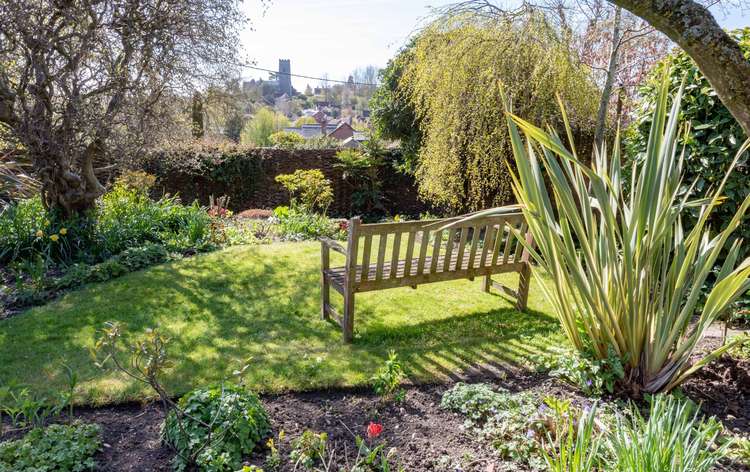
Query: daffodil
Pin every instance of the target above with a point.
(39, 233)
(46, 222)
(63, 231)
(54, 238)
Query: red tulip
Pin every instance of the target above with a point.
(374, 430)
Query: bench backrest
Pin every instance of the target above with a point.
(419, 249)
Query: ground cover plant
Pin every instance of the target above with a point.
(262, 302)
(53, 448)
(626, 277)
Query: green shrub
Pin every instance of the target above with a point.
(54, 448)
(309, 190)
(239, 422)
(713, 139)
(286, 139)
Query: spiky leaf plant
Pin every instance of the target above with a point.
(624, 273)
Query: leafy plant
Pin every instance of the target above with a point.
(387, 380)
(624, 273)
(215, 427)
(308, 189)
(286, 139)
(54, 448)
(308, 449)
(511, 423)
(673, 439)
(592, 376)
(361, 169)
(295, 225)
(137, 180)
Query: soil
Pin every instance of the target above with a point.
(425, 437)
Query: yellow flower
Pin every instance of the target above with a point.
(54, 237)
(39, 233)
(63, 231)
(46, 222)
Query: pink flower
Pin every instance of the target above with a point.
(374, 430)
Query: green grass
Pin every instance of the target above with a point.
(262, 302)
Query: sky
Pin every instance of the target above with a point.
(336, 36)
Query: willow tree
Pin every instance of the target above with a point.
(451, 81)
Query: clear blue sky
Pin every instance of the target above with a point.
(337, 36)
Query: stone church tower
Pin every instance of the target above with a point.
(285, 80)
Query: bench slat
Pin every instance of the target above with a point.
(409, 252)
(461, 249)
(395, 254)
(438, 236)
(366, 253)
(474, 245)
(425, 241)
(449, 250)
(498, 241)
(508, 243)
(381, 256)
(489, 241)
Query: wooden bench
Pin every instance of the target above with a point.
(434, 252)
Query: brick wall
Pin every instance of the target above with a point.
(247, 177)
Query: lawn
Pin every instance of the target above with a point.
(262, 303)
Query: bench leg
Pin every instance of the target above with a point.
(325, 297)
(524, 280)
(487, 283)
(348, 326)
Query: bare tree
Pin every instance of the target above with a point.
(693, 27)
(83, 80)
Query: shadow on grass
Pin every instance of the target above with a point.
(260, 305)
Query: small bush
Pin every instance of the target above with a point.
(239, 423)
(286, 139)
(309, 190)
(54, 448)
(137, 180)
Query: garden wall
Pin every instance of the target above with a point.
(247, 175)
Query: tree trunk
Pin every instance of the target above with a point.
(717, 55)
(601, 117)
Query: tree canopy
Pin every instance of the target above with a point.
(451, 78)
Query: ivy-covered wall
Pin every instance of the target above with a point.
(246, 175)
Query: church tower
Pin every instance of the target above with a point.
(285, 80)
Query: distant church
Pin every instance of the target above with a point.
(280, 85)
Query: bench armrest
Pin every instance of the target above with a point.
(331, 244)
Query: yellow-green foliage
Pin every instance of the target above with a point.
(452, 82)
(308, 189)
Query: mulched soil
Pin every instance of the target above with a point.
(425, 436)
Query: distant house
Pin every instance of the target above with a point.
(333, 129)
(343, 131)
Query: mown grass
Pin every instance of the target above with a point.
(262, 303)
